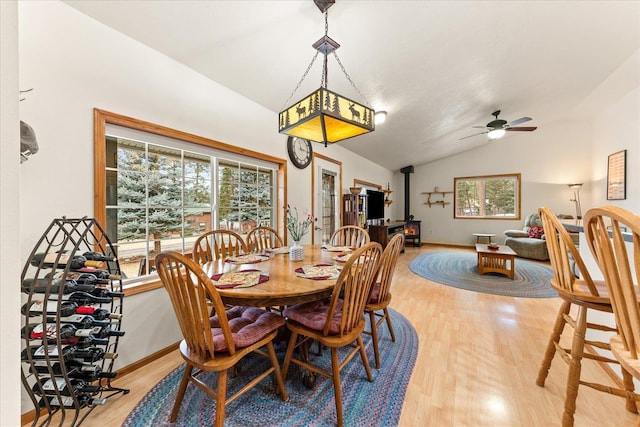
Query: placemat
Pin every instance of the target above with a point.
(319, 271)
(280, 250)
(330, 248)
(239, 279)
(342, 258)
(247, 259)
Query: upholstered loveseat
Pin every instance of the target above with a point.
(529, 241)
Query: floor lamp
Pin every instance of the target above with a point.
(576, 199)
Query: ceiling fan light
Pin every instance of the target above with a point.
(380, 117)
(496, 133)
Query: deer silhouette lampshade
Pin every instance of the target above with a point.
(325, 116)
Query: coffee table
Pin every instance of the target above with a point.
(501, 260)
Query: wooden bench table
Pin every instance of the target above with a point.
(501, 260)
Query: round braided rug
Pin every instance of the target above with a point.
(460, 270)
(376, 403)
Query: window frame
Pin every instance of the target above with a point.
(102, 118)
(516, 203)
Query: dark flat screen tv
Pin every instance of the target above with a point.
(375, 204)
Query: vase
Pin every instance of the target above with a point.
(296, 252)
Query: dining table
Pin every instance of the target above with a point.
(282, 282)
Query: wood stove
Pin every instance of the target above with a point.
(412, 232)
(411, 227)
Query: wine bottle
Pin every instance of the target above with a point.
(100, 273)
(52, 259)
(53, 286)
(74, 369)
(104, 292)
(105, 332)
(98, 313)
(80, 277)
(97, 256)
(37, 308)
(58, 385)
(68, 402)
(82, 321)
(52, 331)
(65, 353)
(84, 298)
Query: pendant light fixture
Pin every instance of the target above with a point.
(325, 116)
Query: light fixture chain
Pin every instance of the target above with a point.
(349, 78)
(301, 80)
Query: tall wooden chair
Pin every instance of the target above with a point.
(380, 293)
(350, 235)
(218, 341)
(585, 294)
(217, 244)
(262, 238)
(619, 262)
(337, 322)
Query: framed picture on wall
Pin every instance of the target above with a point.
(617, 176)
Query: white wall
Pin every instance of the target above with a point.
(76, 64)
(547, 160)
(10, 261)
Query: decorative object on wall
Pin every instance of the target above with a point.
(617, 176)
(436, 191)
(576, 199)
(28, 142)
(497, 128)
(323, 115)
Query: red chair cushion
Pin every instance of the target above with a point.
(313, 315)
(248, 325)
(375, 293)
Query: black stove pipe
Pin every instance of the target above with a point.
(406, 171)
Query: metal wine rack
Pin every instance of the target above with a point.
(58, 400)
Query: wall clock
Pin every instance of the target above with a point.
(300, 151)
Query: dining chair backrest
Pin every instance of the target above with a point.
(262, 238)
(194, 299)
(388, 263)
(619, 261)
(216, 244)
(562, 250)
(353, 286)
(350, 235)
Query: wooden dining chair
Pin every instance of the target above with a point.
(215, 342)
(619, 262)
(216, 244)
(380, 297)
(338, 321)
(262, 238)
(585, 294)
(350, 235)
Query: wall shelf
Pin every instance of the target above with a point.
(387, 193)
(442, 194)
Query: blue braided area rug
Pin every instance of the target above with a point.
(376, 403)
(460, 270)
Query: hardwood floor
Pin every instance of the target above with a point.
(477, 362)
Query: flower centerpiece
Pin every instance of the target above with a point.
(297, 229)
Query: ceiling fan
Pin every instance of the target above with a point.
(498, 127)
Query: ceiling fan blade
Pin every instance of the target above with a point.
(480, 127)
(522, 129)
(475, 134)
(520, 120)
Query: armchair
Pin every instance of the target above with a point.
(528, 242)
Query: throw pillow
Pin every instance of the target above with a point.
(536, 232)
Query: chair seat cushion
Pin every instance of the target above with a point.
(248, 325)
(375, 293)
(313, 315)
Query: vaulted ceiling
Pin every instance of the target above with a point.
(437, 67)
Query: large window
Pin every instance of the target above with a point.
(159, 191)
(487, 197)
